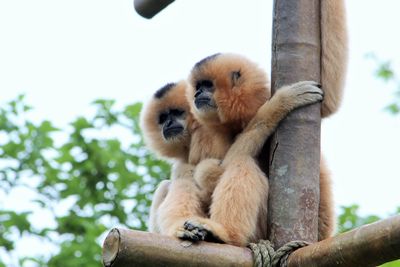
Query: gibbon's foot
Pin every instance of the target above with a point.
(194, 234)
(196, 231)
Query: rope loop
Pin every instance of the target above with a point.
(265, 256)
(263, 253)
(282, 254)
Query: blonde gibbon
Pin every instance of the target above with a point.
(229, 222)
(216, 98)
(229, 93)
(169, 128)
(166, 123)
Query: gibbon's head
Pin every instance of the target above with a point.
(226, 89)
(166, 122)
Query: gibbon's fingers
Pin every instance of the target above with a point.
(301, 94)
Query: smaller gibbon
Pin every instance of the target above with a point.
(168, 127)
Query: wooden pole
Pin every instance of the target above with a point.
(150, 8)
(369, 245)
(135, 248)
(366, 246)
(295, 147)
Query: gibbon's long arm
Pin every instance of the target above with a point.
(286, 99)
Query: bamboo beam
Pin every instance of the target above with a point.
(150, 8)
(369, 245)
(295, 147)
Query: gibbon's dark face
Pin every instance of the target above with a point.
(203, 97)
(172, 123)
(166, 121)
(226, 89)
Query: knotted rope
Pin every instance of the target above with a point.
(265, 255)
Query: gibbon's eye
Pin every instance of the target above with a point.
(204, 83)
(176, 112)
(235, 76)
(162, 118)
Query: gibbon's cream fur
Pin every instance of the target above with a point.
(231, 223)
(229, 92)
(168, 128)
(176, 201)
(334, 53)
(333, 61)
(167, 123)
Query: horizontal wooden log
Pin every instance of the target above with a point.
(135, 248)
(369, 245)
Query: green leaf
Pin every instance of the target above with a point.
(47, 127)
(104, 103)
(385, 71)
(81, 123)
(393, 108)
(133, 111)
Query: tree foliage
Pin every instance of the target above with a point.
(384, 71)
(89, 177)
(349, 218)
(99, 181)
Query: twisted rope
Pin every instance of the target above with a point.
(263, 253)
(265, 256)
(282, 254)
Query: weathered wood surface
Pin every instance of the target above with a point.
(369, 245)
(295, 147)
(124, 248)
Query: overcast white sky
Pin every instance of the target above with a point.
(64, 54)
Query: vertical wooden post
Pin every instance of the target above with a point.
(295, 148)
